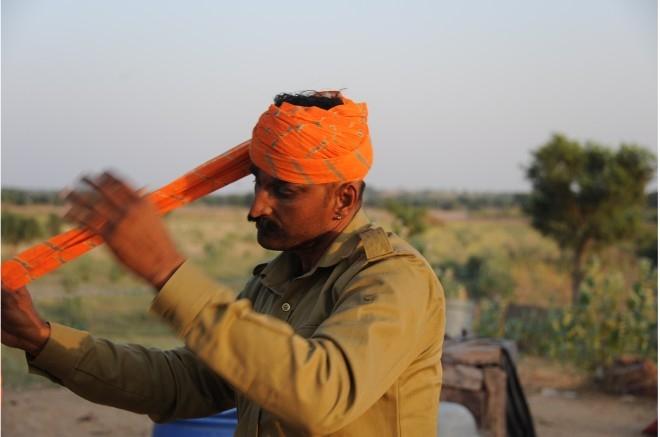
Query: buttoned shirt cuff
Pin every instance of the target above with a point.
(185, 294)
(62, 352)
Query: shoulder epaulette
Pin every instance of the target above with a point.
(376, 243)
(258, 269)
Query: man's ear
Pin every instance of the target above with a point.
(348, 196)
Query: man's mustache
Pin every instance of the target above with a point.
(263, 223)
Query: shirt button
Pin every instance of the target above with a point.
(286, 307)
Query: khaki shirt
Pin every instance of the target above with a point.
(350, 348)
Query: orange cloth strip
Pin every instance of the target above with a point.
(311, 145)
(49, 255)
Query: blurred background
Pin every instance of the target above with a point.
(515, 146)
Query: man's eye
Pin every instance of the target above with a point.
(283, 191)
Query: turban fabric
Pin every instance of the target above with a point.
(311, 145)
(293, 143)
(49, 255)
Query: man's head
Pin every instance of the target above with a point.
(308, 182)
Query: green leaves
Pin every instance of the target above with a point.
(587, 191)
(588, 195)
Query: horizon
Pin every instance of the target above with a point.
(458, 96)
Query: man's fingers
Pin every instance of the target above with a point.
(86, 218)
(105, 207)
(78, 198)
(104, 191)
(110, 191)
(107, 204)
(121, 191)
(99, 215)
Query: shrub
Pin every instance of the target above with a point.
(481, 276)
(610, 319)
(17, 228)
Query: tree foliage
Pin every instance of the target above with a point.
(585, 196)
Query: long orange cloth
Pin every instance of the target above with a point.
(49, 255)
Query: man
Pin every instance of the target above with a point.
(341, 334)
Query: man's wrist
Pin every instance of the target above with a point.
(161, 279)
(40, 342)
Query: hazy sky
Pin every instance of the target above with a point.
(459, 92)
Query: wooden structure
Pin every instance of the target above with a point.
(473, 376)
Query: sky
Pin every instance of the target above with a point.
(459, 93)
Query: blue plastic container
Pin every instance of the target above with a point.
(218, 425)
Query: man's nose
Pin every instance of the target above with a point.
(260, 204)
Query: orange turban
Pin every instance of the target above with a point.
(311, 145)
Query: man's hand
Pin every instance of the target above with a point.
(22, 327)
(130, 226)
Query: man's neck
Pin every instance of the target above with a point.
(311, 252)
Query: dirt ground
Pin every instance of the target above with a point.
(562, 404)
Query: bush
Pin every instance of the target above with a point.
(17, 228)
(410, 220)
(53, 225)
(490, 320)
(610, 319)
(481, 276)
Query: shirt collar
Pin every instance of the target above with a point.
(280, 269)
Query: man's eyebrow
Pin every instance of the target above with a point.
(278, 182)
(289, 185)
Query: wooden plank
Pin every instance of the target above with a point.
(462, 376)
(495, 383)
(472, 355)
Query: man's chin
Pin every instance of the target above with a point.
(270, 242)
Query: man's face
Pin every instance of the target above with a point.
(290, 215)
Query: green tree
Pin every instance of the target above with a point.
(587, 196)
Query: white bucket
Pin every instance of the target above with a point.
(460, 317)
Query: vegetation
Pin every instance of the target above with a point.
(610, 319)
(481, 246)
(587, 196)
(373, 198)
(17, 228)
(481, 276)
(17, 196)
(409, 220)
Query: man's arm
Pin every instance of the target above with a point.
(383, 318)
(165, 385)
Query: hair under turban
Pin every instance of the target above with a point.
(311, 145)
